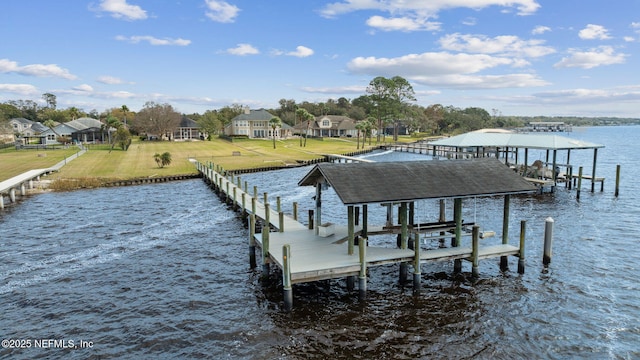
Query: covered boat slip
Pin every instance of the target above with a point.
(309, 255)
(487, 142)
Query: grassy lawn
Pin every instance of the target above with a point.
(138, 161)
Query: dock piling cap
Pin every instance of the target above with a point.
(549, 219)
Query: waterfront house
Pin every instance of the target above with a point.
(254, 124)
(68, 128)
(189, 129)
(328, 126)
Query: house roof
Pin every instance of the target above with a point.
(186, 122)
(83, 123)
(260, 114)
(22, 121)
(531, 141)
(380, 182)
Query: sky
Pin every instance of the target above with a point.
(509, 57)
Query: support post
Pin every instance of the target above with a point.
(579, 183)
(593, 170)
(318, 210)
(362, 279)
(265, 242)
(295, 211)
(286, 277)
(403, 240)
(12, 195)
(457, 214)
(350, 229)
(280, 221)
(252, 241)
(504, 261)
(416, 263)
(311, 219)
(521, 256)
(548, 241)
(475, 246)
(617, 180)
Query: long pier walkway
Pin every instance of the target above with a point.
(21, 182)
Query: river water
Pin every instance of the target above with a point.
(161, 271)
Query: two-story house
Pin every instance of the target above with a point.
(255, 125)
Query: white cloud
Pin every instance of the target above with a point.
(504, 45)
(110, 80)
(83, 88)
(423, 9)
(401, 24)
(38, 70)
(154, 41)
(243, 49)
(221, 11)
(22, 89)
(301, 51)
(119, 9)
(447, 70)
(603, 55)
(538, 30)
(594, 32)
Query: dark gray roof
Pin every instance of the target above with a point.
(186, 122)
(380, 182)
(260, 114)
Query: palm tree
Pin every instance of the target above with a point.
(360, 127)
(308, 117)
(125, 110)
(274, 122)
(163, 159)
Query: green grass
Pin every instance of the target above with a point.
(138, 161)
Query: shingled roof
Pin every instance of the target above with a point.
(380, 182)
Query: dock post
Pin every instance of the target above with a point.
(1, 201)
(278, 204)
(474, 254)
(416, 263)
(265, 197)
(253, 205)
(403, 240)
(362, 279)
(244, 204)
(255, 191)
(23, 190)
(286, 277)
(234, 201)
(310, 219)
(457, 214)
(617, 180)
(265, 242)
(246, 187)
(504, 261)
(579, 183)
(295, 211)
(521, 257)
(280, 221)
(12, 195)
(593, 170)
(350, 229)
(548, 241)
(252, 240)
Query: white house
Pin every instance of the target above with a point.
(255, 125)
(68, 128)
(328, 126)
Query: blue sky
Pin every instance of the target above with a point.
(513, 57)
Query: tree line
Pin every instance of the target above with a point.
(387, 105)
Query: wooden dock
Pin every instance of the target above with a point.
(305, 254)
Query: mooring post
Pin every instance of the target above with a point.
(244, 204)
(362, 279)
(350, 230)
(252, 241)
(475, 246)
(286, 277)
(234, 201)
(265, 242)
(280, 221)
(548, 241)
(521, 257)
(416, 263)
(457, 214)
(255, 191)
(265, 197)
(403, 239)
(504, 261)
(295, 211)
(23, 190)
(246, 187)
(253, 205)
(12, 195)
(278, 204)
(1, 201)
(579, 183)
(617, 180)
(310, 219)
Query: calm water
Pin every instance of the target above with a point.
(161, 271)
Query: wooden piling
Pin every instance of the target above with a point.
(295, 211)
(286, 277)
(265, 242)
(310, 219)
(504, 261)
(579, 183)
(457, 214)
(403, 239)
(475, 246)
(416, 263)
(350, 229)
(521, 256)
(617, 180)
(548, 241)
(362, 278)
(252, 240)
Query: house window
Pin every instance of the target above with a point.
(326, 123)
